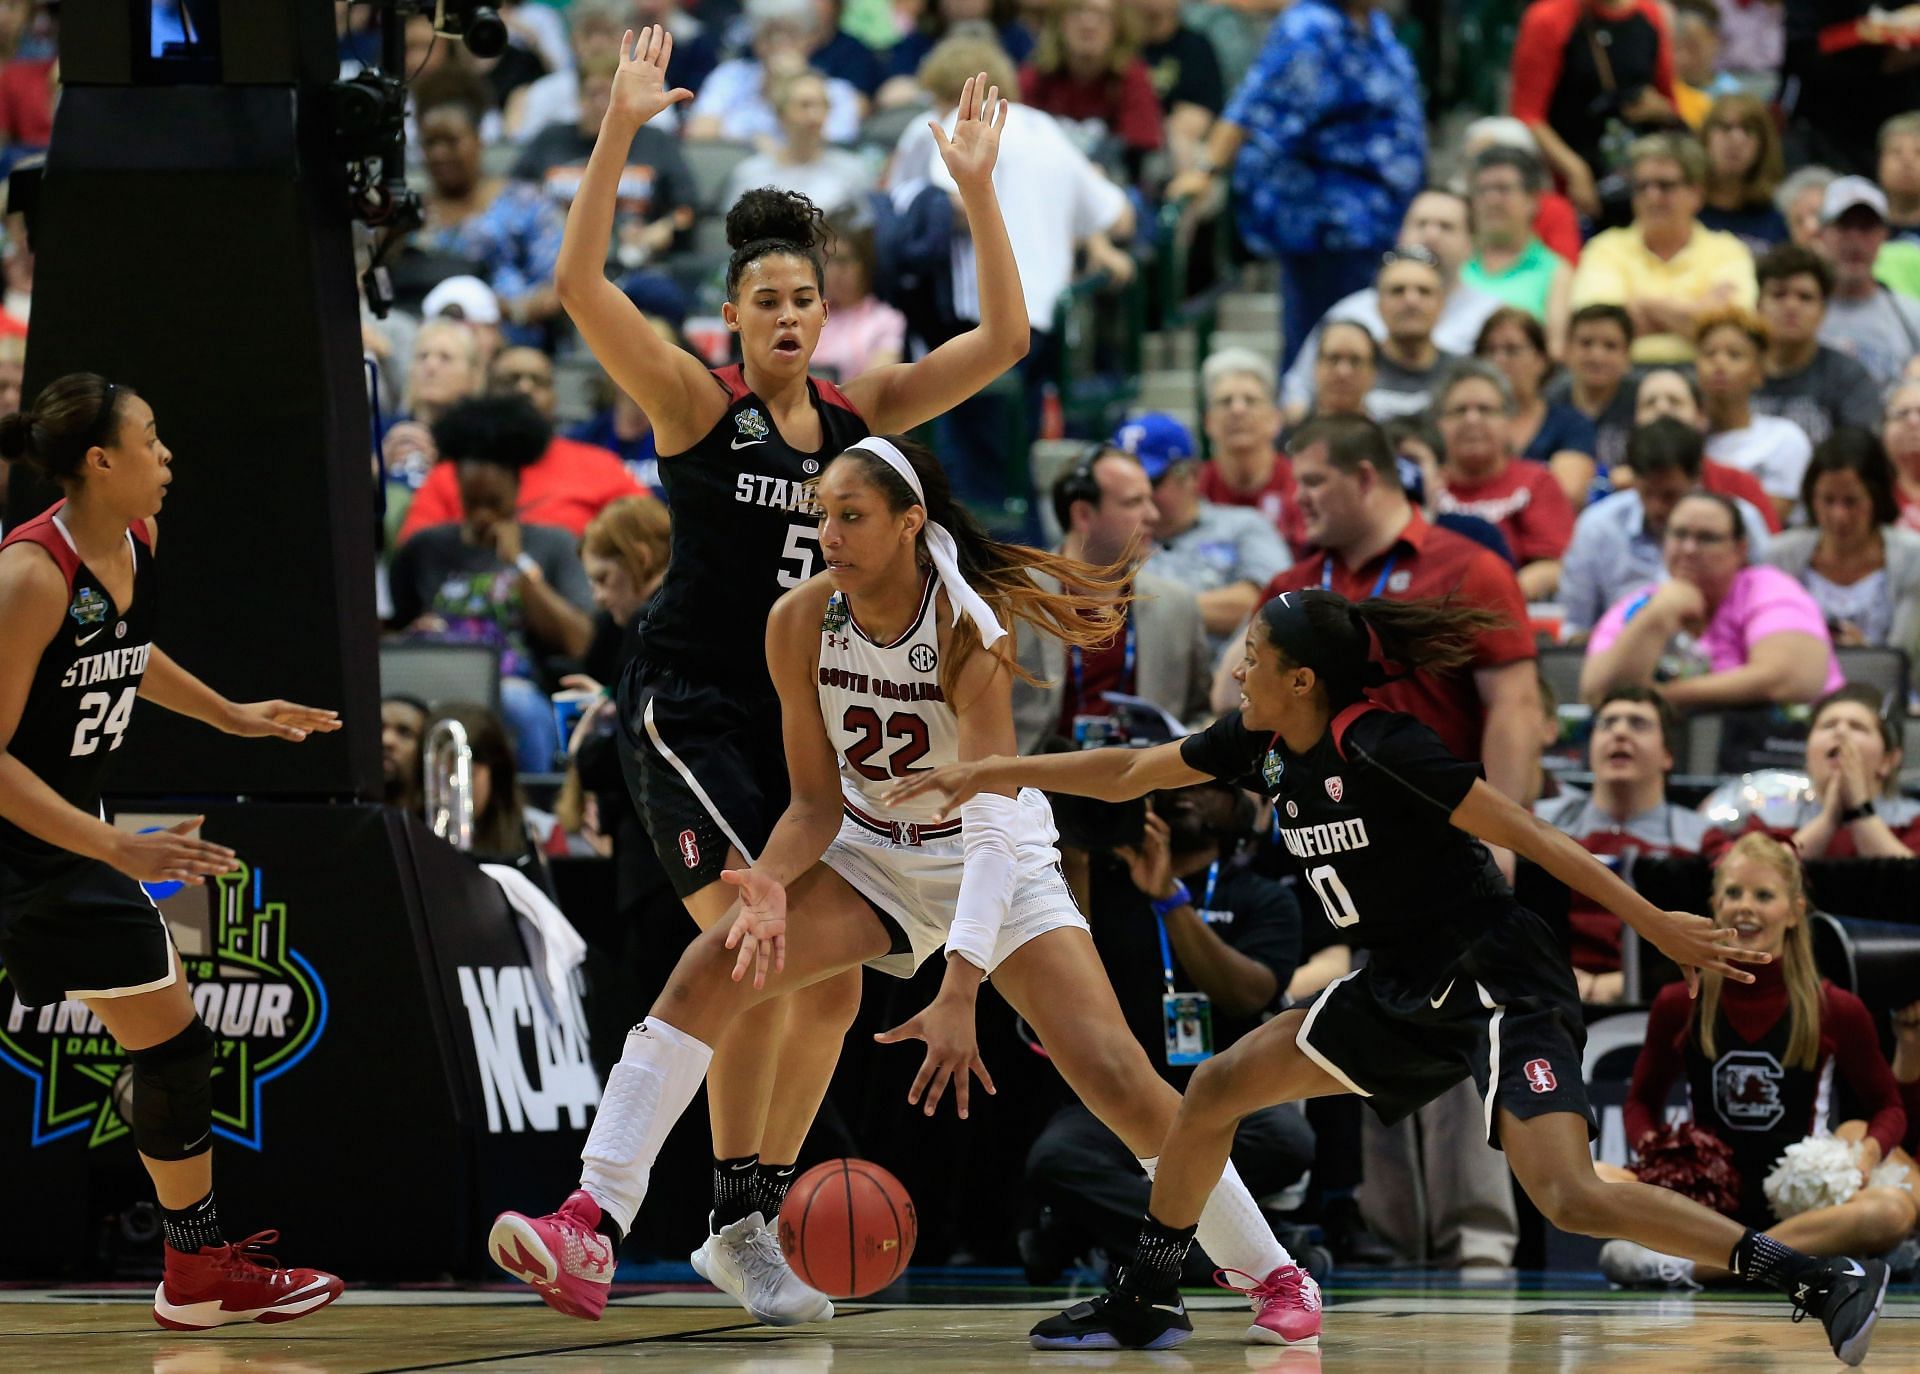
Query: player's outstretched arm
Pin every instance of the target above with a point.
(168, 684)
(1692, 942)
(812, 817)
(1106, 774)
(667, 382)
(897, 398)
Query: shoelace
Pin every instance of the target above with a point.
(1286, 1284)
(771, 1259)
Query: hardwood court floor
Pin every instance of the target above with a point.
(1411, 1332)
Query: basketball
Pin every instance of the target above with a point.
(848, 1228)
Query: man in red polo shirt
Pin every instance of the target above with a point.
(1374, 543)
(570, 484)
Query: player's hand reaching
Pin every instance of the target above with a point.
(279, 720)
(1697, 945)
(640, 85)
(955, 783)
(760, 930)
(974, 145)
(172, 855)
(953, 1054)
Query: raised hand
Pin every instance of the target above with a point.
(280, 720)
(760, 930)
(955, 783)
(1697, 945)
(953, 1054)
(171, 856)
(640, 85)
(975, 145)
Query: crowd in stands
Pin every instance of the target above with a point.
(1634, 358)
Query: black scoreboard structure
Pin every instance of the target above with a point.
(384, 1036)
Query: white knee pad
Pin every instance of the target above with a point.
(660, 1070)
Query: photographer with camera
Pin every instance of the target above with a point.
(1199, 947)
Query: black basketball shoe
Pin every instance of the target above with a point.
(1846, 1295)
(1117, 1320)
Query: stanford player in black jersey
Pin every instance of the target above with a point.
(1388, 827)
(741, 453)
(78, 603)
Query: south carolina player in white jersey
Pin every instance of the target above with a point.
(78, 603)
(886, 665)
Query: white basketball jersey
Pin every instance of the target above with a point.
(886, 715)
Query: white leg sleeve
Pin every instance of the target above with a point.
(660, 1070)
(1234, 1233)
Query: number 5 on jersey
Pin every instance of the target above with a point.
(799, 537)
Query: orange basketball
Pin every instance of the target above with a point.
(848, 1228)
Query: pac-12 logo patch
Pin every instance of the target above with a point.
(1273, 767)
(921, 658)
(89, 607)
(1540, 1076)
(1335, 788)
(751, 424)
(689, 849)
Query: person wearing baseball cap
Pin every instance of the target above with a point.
(1225, 554)
(1866, 321)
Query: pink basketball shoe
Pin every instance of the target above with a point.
(565, 1259)
(230, 1283)
(1286, 1305)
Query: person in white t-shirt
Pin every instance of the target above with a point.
(1730, 352)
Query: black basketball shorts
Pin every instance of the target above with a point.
(1505, 1012)
(81, 930)
(706, 768)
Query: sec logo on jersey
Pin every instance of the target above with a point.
(922, 659)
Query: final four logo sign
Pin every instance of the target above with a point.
(259, 995)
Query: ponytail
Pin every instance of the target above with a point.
(1335, 637)
(76, 413)
(1003, 574)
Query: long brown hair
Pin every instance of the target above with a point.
(1003, 573)
(1796, 961)
(636, 532)
(1769, 167)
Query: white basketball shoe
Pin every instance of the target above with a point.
(745, 1260)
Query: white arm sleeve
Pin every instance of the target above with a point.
(986, 884)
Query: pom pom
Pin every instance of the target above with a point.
(1819, 1171)
(1692, 1162)
(1890, 1173)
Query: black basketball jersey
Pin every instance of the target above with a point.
(77, 709)
(1750, 1098)
(746, 520)
(1365, 814)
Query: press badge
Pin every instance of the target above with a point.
(1189, 1025)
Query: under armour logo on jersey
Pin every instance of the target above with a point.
(690, 849)
(1335, 788)
(921, 658)
(1540, 1076)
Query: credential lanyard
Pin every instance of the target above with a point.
(1166, 949)
(1129, 651)
(1326, 575)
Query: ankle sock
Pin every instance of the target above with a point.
(733, 1190)
(770, 1184)
(1157, 1258)
(191, 1229)
(1759, 1258)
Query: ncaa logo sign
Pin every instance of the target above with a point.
(1540, 1076)
(689, 849)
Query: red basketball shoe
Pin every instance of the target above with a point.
(565, 1259)
(237, 1283)
(1286, 1305)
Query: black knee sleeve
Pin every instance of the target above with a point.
(173, 1095)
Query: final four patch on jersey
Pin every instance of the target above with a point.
(751, 424)
(1272, 767)
(89, 607)
(837, 616)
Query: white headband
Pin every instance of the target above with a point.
(946, 554)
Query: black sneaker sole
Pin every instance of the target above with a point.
(1854, 1349)
(1105, 1340)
